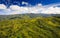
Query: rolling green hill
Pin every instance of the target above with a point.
(27, 27)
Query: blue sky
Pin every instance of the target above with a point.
(32, 2)
(44, 2)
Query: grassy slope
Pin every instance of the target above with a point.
(38, 27)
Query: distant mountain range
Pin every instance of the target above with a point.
(31, 15)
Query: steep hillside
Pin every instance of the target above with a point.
(38, 27)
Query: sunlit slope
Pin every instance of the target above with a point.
(38, 27)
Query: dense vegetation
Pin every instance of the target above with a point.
(27, 27)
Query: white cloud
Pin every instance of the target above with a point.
(14, 7)
(24, 3)
(2, 6)
(39, 8)
(52, 10)
(18, 9)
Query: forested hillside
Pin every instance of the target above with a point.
(27, 27)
